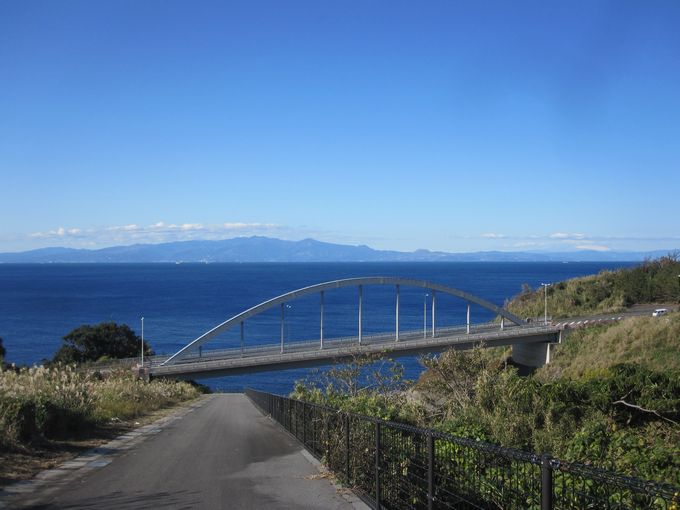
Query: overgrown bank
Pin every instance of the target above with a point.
(59, 402)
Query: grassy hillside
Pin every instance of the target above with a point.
(610, 291)
(650, 342)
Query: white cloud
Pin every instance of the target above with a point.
(124, 228)
(493, 235)
(592, 247)
(563, 235)
(191, 226)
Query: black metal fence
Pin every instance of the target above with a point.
(397, 466)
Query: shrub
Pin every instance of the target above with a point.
(103, 341)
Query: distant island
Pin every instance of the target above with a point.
(267, 249)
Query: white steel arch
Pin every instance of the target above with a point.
(336, 284)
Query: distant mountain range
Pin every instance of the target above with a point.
(266, 249)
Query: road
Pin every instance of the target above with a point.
(224, 455)
(634, 311)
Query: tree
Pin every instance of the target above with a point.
(2, 352)
(105, 340)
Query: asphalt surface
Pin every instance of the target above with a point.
(225, 454)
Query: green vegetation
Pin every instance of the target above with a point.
(653, 281)
(650, 342)
(610, 396)
(623, 417)
(367, 385)
(2, 353)
(59, 402)
(96, 343)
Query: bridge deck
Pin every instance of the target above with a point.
(304, 354)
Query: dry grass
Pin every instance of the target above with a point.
(61, 403)
(653, 342)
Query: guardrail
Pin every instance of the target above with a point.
(397, 466)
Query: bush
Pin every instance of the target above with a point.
(103, 341)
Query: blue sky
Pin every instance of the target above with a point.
(456, 126)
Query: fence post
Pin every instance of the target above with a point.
(326, 438)
(377, 465)
(430, 472)
(304, 423)
(314, 422)
(546, 483)
(346, 418)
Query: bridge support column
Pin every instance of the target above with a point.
(502, 323)
(396, 339)
(467, 329)
(361, 294)
(321, 333)
(532, 355)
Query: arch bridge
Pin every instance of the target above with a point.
(530, 341)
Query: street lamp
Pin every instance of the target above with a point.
(425, 315)
(142, 342)
(284, 328)
(289, 307)
(545, 316)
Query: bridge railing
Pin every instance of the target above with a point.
(397, 466)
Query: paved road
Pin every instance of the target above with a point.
(226, 454)
(634, 311)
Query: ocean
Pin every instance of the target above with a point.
(40, 303)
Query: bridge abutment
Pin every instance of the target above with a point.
(531, 355)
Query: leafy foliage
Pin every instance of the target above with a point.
(365, 385)
(625, 417)
(3, 352)
(105, 340)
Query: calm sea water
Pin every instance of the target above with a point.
(39, 304)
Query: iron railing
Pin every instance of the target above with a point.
(397, 466)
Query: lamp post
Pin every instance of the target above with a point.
(284, 329)
(545, 316)
(142, 342)
(425, 315)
